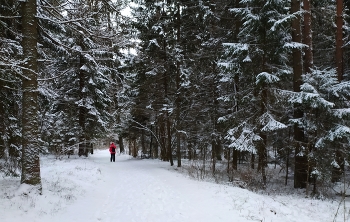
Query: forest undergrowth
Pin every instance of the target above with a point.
(247, 178)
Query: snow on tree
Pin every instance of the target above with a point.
(255, 64)
(11, 54)
(30, 141)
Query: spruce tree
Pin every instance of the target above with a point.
(30, 150)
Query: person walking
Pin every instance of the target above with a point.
(112, 150)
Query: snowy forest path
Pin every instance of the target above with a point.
(135, 190)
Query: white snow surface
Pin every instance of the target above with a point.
(95, 189)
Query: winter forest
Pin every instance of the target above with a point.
(240, 89)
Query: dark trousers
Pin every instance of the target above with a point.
(113, 157)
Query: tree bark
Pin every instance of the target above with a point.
(236, 90)
(121, 144)
(30, 151)
(213, 153)
(143, 145)
(156, 148)
(309, 61)
(215, 145)
(189, 151)
(167, 117)
(308, 65)
(169, 149)
(262, 161)
(339, 157)
(177, 102)
(339, 41)
(236, 84)
(235, 159)
(287, 166)
(300, 172)
(134, 150)
(262, 151)
(2, 123)
(82, 109)
(262, 158)
(337, 172)
(151, 143)
(252, 161)
(162, 137)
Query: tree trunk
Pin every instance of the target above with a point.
(30, 150)
(82, 109)
(252, 161)
(309, 61)
(235, 159)
(287, 166)
(169, 149)
(339, 41)
(2, 123)
(213, 154)
(215, 136)
(227, 155)
(178, 149)
(339, 157)
(167, 142)
(121, 144)
(300, 172)
(151, 143)
(177, 102)
(134, 150)
(156, 148)
(189, 151)
(143, 145)
(219, 150)
(236, 90)
(262, 158)
(162, 136)
(262, 146)
(130, 147)
(262, 151)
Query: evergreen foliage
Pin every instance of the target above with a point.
(214, 81)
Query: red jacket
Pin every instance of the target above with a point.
(111, 147)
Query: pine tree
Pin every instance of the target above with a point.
(338, 168)
(30, 152)
(261, 41)
(158, 36)
(300, 171)
(10, 84)
(87, 68)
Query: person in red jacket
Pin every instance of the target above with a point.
(112, 150)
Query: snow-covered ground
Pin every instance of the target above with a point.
(94, 189)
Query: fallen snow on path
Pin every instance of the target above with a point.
(94, 189)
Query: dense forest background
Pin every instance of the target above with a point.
(239, 86)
